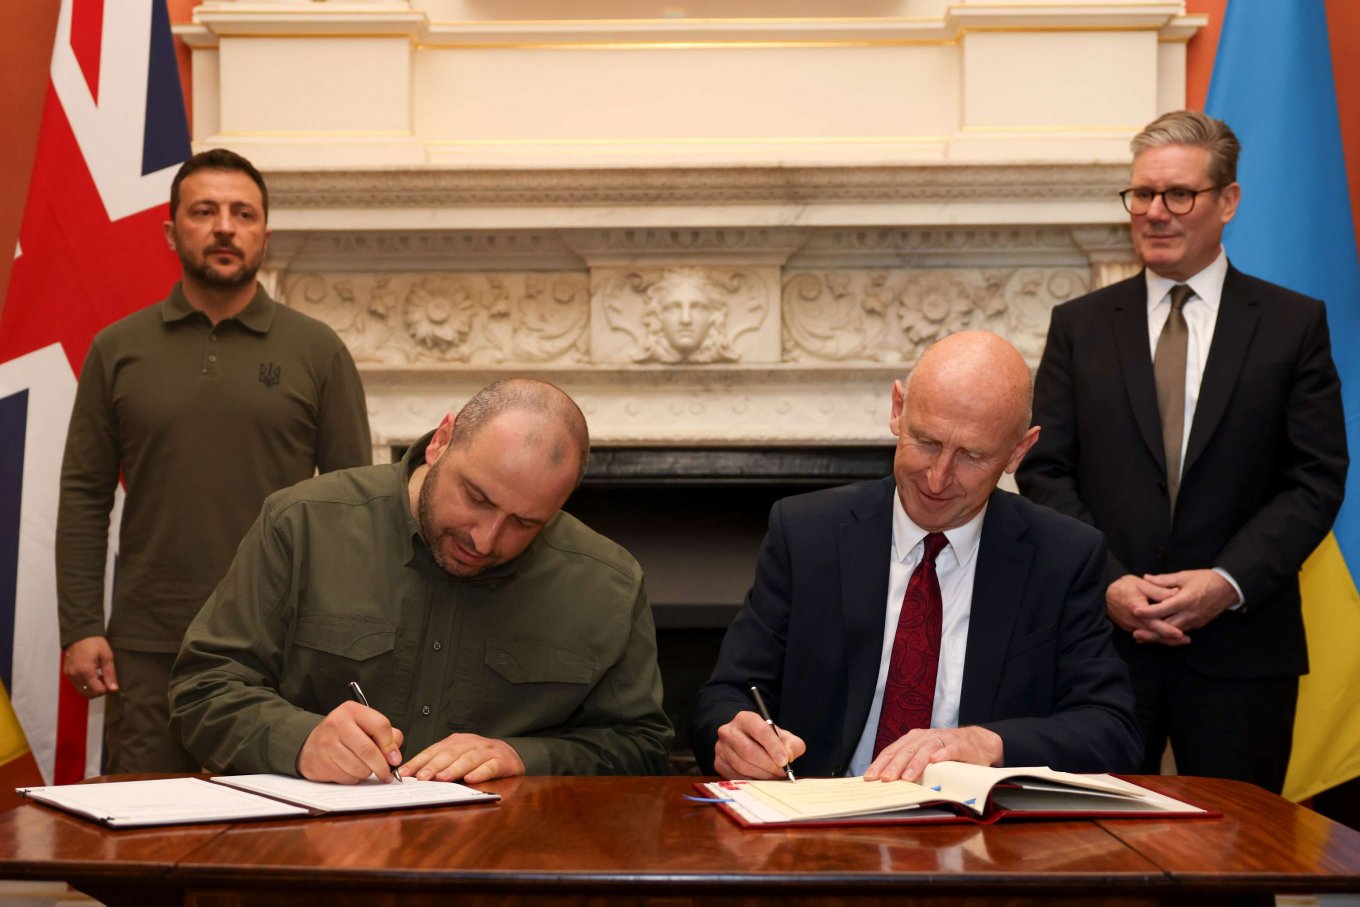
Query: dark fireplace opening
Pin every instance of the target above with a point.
(694, 519)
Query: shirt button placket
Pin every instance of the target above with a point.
(210, 363)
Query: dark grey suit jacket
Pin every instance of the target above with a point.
(1039, 670)
(1265, 465)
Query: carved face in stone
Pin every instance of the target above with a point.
(686, 310)
(686, 317)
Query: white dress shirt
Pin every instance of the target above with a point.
(954, 567)
(1201, 316)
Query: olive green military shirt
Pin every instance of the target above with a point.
(553, 652)
(203, 422)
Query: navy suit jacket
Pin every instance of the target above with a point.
(1265, 466)
(1039, 668)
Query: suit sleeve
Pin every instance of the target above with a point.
(224, 689)
(752, 651)
(1090, 726)
(1048, 474)
(1269, 549)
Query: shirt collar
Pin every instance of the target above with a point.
(414, 456)
(1207, 284)
(257, 316)
(963, 540)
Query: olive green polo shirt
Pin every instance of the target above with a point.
(203, 422)
(553, 652)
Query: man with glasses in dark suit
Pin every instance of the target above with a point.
(1193, 414)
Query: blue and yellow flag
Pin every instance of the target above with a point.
(1273, 84)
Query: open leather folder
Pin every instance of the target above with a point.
(948, 792)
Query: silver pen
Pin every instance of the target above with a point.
(363, 701)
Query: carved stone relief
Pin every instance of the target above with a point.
(1110, 251)
(892, 315)
(684, 315)
(462, 317)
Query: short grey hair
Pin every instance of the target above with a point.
(1190, 127)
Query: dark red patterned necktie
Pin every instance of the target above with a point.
(909, 691)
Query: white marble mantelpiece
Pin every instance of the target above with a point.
(713, 225)
(816, 322)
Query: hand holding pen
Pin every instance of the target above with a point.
(363, 700)
(350, 744)
(764, 711)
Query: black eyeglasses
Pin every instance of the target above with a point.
(1178, 199)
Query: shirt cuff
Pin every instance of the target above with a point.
(1241, 603)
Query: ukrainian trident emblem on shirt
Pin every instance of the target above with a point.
(269, 373)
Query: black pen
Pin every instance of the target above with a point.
(363, 701)
(765, 714)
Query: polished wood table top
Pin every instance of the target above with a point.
(600, 839)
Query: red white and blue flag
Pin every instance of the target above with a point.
(90, 251)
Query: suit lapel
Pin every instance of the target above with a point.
(1130, 328)
(1003, 567)
(1237, 317)
(865, 547)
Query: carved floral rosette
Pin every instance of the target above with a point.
(475, 318)
(892, 315)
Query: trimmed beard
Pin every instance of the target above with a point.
(206, 275)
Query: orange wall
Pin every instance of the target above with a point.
(183, 11)
(1343, 27)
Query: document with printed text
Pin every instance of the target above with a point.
(163, 801)
(366, 795)
(232, 798)
(949, 791)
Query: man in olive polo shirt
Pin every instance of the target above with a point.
(205, 403)
(492, 634)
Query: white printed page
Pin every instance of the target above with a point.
(828, 798)
(166, 801)
(371, 794)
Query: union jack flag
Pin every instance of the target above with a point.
(90, 251)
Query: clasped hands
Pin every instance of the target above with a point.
(749, 748)
(355, 741)
(1164, 607)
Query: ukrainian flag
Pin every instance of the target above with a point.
(13, 744)
(1273, 84)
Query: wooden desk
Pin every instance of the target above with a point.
(636, 840)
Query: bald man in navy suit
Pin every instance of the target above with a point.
(1026, 672)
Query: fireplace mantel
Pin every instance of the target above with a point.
(714, 227)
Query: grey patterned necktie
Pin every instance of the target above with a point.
(1168, 369)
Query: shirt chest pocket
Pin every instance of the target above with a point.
(329, 650)
(531, 686)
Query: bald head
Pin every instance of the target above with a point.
(555, 423)
(497, 474)
(961, 421)
(979, 371)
